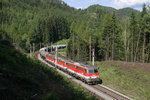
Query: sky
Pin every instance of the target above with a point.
(118, 4)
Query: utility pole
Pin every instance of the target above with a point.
(93, 57)
(47, 47)
(90, 47)
(56, 57)
(73, 45)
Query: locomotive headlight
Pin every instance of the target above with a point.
(94, 77)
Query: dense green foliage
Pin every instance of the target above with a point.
(51, 29)
(124, 39)
(32, 21)
(116, 34)
(111, 34)
(78, 43)
(24, 78)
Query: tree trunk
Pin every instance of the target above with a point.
(128, 51)
(148, 58)
(148, 51)
(132, 47)
(143, 49)
(112, 46)
(137, 47)
(107, 48)
(125, 43)
(33, 47)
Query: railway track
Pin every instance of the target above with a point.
(101, 91)
(115, 95)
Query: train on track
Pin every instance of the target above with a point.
(83, 71)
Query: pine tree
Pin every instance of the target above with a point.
(125, 37)
(144, 11)
(146, 39)
(106, 34)
(133, 36)
(113, 34)
(78, 41)
(143, 32)
(116, 41)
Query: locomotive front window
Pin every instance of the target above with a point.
(95, 70)
(90, 71)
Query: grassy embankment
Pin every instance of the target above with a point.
(24, 78)
(127, 78)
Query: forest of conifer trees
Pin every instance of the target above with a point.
(116, 34)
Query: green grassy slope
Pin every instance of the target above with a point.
(131, 79)
(22, 78)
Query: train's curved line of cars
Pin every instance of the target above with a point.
(85, 72)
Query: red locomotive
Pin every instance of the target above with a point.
(85, 72)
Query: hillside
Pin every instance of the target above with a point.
(121, 13)
(23, 20)
(24, 78)
(38, 23)
(32, 21)
(131, 79)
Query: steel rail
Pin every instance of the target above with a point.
(111, 93)
(116, 94)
